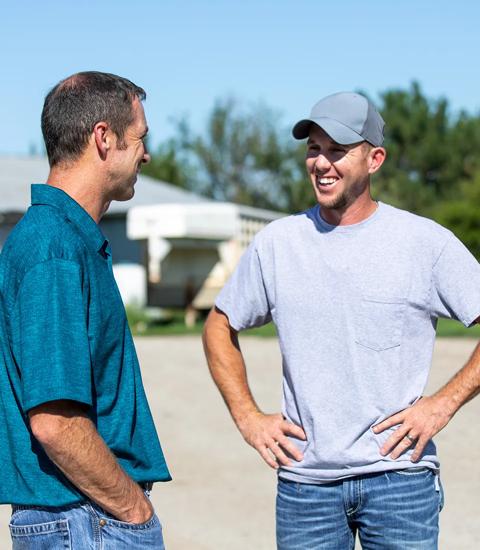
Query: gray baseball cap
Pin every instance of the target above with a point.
(346, 117)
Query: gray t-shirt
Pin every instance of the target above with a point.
(355, 308)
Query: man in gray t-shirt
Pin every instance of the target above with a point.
(355, 289)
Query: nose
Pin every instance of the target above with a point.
(322, 164)
(146, 155)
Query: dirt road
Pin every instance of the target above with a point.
(222, 497)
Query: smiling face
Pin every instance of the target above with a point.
(340, 174)
(128, 155)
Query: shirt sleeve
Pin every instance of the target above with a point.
(54, 353)
(455, 290)
(244, 298)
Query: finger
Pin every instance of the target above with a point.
(419, 447)
(277, 451)
(265, 454)
(396, 437)
(403, 445)
(293, 429)
(389, 422)
(290, 448)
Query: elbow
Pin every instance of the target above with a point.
(218, 335)
(216, 326)
(45, 429)
(54, 422)
(207, 329)
(51, 422)
(209, 324)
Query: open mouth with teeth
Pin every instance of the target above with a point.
(326, 182)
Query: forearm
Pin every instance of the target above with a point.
(267, 433)
(423, 420)
(227, 367)
(463, 387)
(72, 442)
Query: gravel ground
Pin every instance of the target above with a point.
(223, 495)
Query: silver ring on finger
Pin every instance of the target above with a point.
(410, 438)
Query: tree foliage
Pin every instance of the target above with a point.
(460, 213)
(243, 156)
(247, 155)
(167, 165)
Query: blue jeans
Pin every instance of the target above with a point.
(80, 527)
(396, 510)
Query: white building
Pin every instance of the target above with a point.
(193, 248)
(180, 247)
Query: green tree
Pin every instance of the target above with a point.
(244, 156)
(167, 164)
(461, 214)
(417, 143)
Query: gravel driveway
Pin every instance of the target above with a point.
(222, 496)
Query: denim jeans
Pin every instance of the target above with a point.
(395, 510)
(80, 527)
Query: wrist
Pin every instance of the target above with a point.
(447, 405)
(243, 420)
(141, 512)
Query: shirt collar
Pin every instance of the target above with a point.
(47, 194)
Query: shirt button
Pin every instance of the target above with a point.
(102, 522)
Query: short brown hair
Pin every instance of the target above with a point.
(77, 103)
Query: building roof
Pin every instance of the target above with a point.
(17, 173)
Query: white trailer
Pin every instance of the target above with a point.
(191, 249)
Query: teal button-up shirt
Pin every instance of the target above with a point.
(64, 335)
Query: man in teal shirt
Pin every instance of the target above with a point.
(78, 446)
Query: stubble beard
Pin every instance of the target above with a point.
(343, 200)
(337, 203)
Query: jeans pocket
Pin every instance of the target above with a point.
(108, 519)
(39, 536)
(287, 486)
(415, 471)
(150, 524)
(121, 535)
(379, 322)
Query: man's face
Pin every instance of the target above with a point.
(339, 173)
(129, 155)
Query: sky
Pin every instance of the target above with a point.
(286, 54)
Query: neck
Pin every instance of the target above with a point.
(359, 210)
(80, 184)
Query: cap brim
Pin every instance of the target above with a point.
(336, 130)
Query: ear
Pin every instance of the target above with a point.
(103, 138)
(376, 157)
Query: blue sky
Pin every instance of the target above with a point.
(286, 54)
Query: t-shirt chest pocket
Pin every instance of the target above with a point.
(379, 322)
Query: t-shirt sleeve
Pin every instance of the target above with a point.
(456, 284)
(54, 353)
(244, 298)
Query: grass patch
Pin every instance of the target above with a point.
(173, 324)
(448, 328)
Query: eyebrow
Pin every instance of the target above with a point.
(331, 143)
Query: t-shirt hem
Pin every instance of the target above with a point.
(41, 400)
(152, 478)
(224, 308)
(470, 320)
(155, 479)
(327, 477)
(73, 499)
